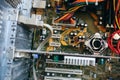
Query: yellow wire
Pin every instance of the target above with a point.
(114, 4)
(69, 11)
(117, 22)
(116, 15)
(74, 9)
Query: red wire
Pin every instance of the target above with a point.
(110, 44)
(117, 7)
(115, 26)
(118, 19)
(68, 17)
(118, 46)
(110, 38)
(79, 1)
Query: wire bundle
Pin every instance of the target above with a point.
(77, 4)
(68, 15)
(87, 1)
(117, 13)
(111, 45)
(65, 17)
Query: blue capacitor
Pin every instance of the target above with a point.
(102, 61)
(57, 9)
(56, 58)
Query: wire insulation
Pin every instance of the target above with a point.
(47, 39)
(111, 45)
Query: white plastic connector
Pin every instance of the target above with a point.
(57, 28)
(97, 35)
(56, 36)
(112, 26)
(116, 36)
(39, 4)
(44, 31)
(56, 44)
(107, 26)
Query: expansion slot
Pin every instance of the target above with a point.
(60, 78)
(65, 71)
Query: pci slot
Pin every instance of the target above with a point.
(64, 71)
(60, 78)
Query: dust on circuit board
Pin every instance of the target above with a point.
(65, 38)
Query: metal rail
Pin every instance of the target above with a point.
(62, 53)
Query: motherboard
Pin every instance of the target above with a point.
(81, 39)
(68, 39)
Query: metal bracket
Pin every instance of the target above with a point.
(21, 55)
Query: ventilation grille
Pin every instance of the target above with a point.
(13, 3)
(82, 61)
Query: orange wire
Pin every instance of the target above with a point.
(67, 14)
(88, 1)
(61, 18)
(68, 17)
(94, 16)
(72, 20)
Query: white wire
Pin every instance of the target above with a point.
(49, 27)
(47, 39)
(34, 73)
(96, 3)
(86, 2)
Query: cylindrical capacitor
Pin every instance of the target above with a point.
(101, 61)
(58, 4)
